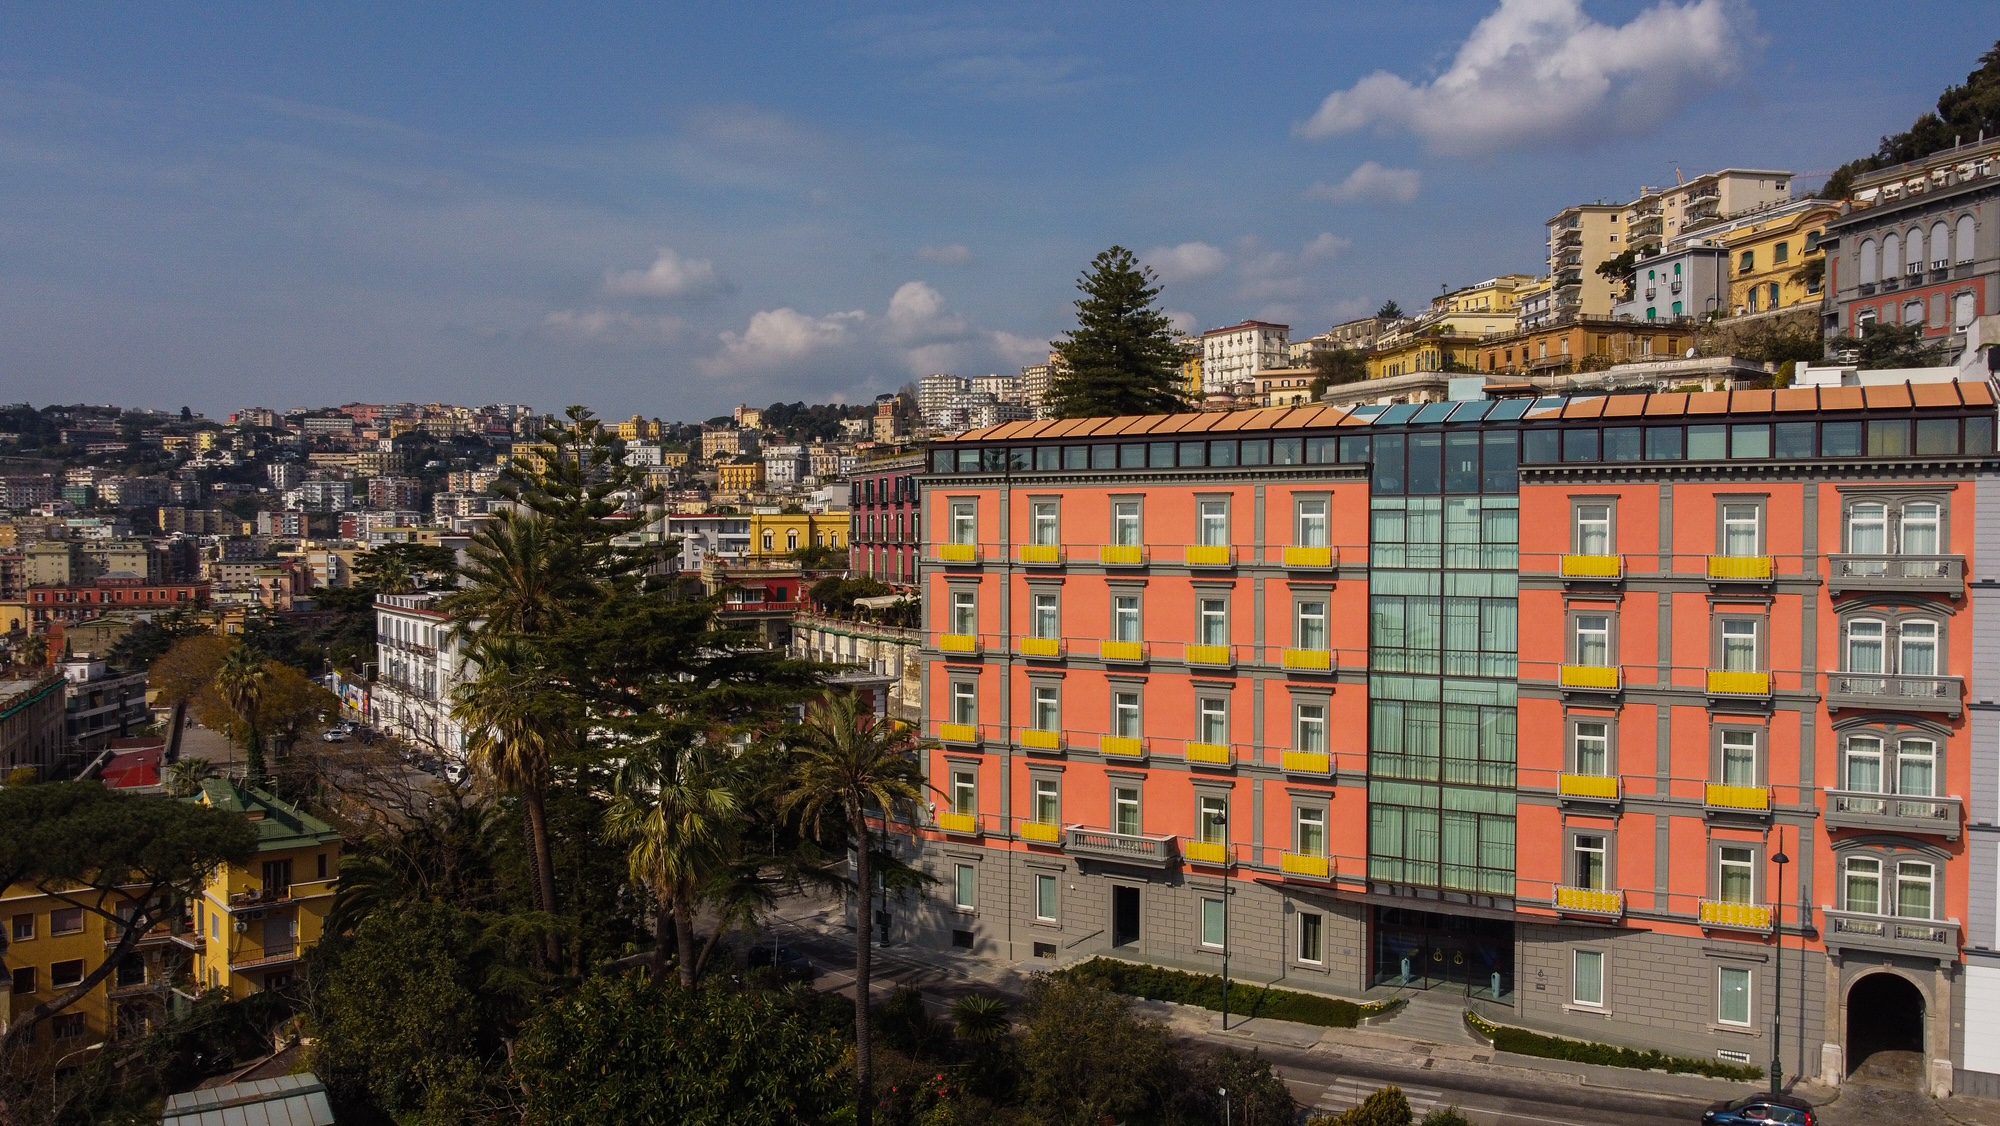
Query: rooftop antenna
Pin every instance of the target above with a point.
(1678, 178)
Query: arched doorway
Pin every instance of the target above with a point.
(1885, 1029)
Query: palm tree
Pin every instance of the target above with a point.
(518, 579)
(677, 809)
(240, 679)
(849, 763)
(185, 777)
(517, 718)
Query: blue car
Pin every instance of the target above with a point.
(1761, 1110)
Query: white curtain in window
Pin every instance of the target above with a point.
(1864, 764)
(1864, 646)
(1917, 649)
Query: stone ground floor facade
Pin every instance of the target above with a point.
(1703, 996)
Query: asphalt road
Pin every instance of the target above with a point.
(1320, 1077)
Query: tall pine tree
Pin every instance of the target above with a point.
(1121, 357)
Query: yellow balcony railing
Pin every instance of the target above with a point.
(1120, 747)
(1309, 660)
(1216, 753)
(958, 552)
(1041, 647)
(1210, 555)
(1041, 740)
(1128, 651)
(958, 643)
(964, 824)
(1754, 798)
(1593, 566)
(1295, 864)
(1307, 762)
(1735, 916)
(1040, 831)
(1300, 557)
(1589, 676)
(1205, 852)
(1738, 683)
(1739, 568)
(1041, 553)
(1207, 654)
(957, 733)
(1122, 555)
(1590, 901)
(1588, 786)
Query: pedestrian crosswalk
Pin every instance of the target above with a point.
(1346, 1093)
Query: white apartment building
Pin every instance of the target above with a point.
(1661, 215)
(419, 662)
(701, 535)
(785, 465)
(1236, 354)
(935, 395)
(321, 496)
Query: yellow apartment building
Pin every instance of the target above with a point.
(1432, 351)
(1766, 261)
(775, 535)
(739, 477)
(637, 429)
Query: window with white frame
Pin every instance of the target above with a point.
(1868, 528)
(1309, 833)
(1962, 244)
(1863, 765)
(1046, 711)
(1125, 618)
(1742, 529)
(1125, 530)
(1739, 645)
(1587, 980)
(965, 888)
(1916, 889)
(964, 791)
(1213, 717)
(1214, 621)
(1312, 629)
(1312, 523)
(1045, 897)
(1865, 645)
(1047, 531)
(964, 703)
(1309, 728)
(1047, 801)
(1861, 885)
(1048, 622)
(964, 612)
(1212, 819)
(1125, 723)
(1125, 810)
(1917, 648)
(1312, 929)
(964, 521)
(1739, 758)
(1732, 1002)
(1592, 747)
(1916, 768)
(1214, 928)
(1921, 523)
(1593, 640)
(1588, 861)
(1214, 529)
(1593, 529)
(1736, 874)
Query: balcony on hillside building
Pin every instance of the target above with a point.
(1119, 747)
(1042, 648)
(1309, 558)
(1887, 934)
(1042, 832)
(1121, 555)
(1893, 813)
(1741, 685)
(1210, 754)
(1925, 574)
(1307, 762)
(1044, 741)
(1894, 692)
(1208, 656)
(1124, 848)
(958, 643)
(1309, 660)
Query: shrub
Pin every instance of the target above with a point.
(1446, 1116)
(1205, 990)
(1521, 1042)
(1388, 1106)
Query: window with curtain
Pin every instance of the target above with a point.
(1940, 245)
(1125, 618)
(1593, 529)
(964, 522)
(1736, 874)
(1742, 530)
(1310, 837)
(1125, 715)
(1864, 764)
(1125, 810)
(1864, 645)
(1916, 768)
(1739, 645)
(1868, 528)
(1739, 758)
(1592, 754)
(1915, 889)
(1587, 984)
(1047, 709)
(1214, 523)
(1868, 262)
(1214, 621)
(964, 703)
(1587, 867)
(1311, 930)
(1312, 521)
(1312, 629)
(1892, 256)
(1917, 648)
(964, 791)
(1214, 720)
(1921, 523)
(1212, 820)
(1047, 622)
(965, 888)
(1125, 523)
(1214, 924)
(964, 612)
(1048, 801)
(1593, 640)
(1048, 524)
(1916, 250)
(1309, 729)
(1861, 885)
(1045, 897)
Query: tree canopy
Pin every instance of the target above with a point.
(1964, 113)
(1121, 357)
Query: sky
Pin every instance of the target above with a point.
(669, 209)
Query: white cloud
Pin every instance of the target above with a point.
(1539, 72)
(1372, 183)
(917, 312)
(1325, 248)
(1020, 351)
(778, 337)
(954, 254)
(1184, 323)
(670, 275)
(611, 326)
(1186, 262)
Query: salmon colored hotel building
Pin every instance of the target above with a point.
(1597, 713)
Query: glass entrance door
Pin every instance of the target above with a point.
(1424, 950)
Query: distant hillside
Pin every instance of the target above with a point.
(1963, 113)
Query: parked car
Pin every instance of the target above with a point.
(1761, 1110)
(788, 962)
(333, 735)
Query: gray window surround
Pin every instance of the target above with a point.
(951, 697)
(1035, 499)
(1610, 722)
(1117, 686)
(1751, 992)
(1757, 852)
(959, 869)
(1762, 501)
(1892, 618)
(1119, 780)
(1322, 595)
(1892, 734)
(1888, 851)
(1309, 695)
(1210, 590)
(1763, 620)
(1038, 587)
(1204, 693)
(1894, 498)
(1577, 500)
(1124, 588)
(1603, 1002)
(1228, 515)
(954, 586)
(1039, 679)
(1324, 497)
(1570, 647)
(1111, 503)
(1609, 835)
(1763, 735)
(1298, 943)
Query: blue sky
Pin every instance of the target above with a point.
(670, 209)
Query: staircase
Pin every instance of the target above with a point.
(1433, 1016)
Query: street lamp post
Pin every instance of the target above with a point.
(1778, 968)
(1224, 1092)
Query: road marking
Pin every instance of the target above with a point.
(1345, 1093)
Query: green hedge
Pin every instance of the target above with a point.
(1205, 990)
(1521, 1042)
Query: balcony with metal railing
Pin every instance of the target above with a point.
(1592, 568)
(1895, 692)
(1302, 866)
(1593, 903)
(1720, 799)
(1124, 848)
(1888, 934)
(1212, 854)
(1591, 789)
(1122, 652)
(1718, 914)
(1923, 574)
(1894, 813)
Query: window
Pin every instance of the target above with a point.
(964, 792)
(1864, 764)
(964, 522)
(1587, 982)
(1916, 768)
(1742, 529)
(1733, 995)
(1916, 244)
(1593, 529)
(1214, 717)
(1865, 645)
(1125, 810)
(277, 875)
(1587, 861)
(964, 612)
(1310, 729)
(965, 887)
(1915, 884)
(64, 974)
(1592, 739)
(1214, 523)
(1962, 242)
(23, 927)
(1735, 877)
(964, 703)
(1047, 708)
(1125, 617)
(1125, 523)
(68, 1026)
(1045, 897)
(1868, 262)
(1747, 262)
(1048, 801)
(1125, 715)
(1047, 623)
(1892, 256)
(1312, 530)
(1739, 645)
(1312, 625)
(24, 981)
(1964, 307)
(1310, 835)
(68, 920)
(1861, 885)
(1593, 640)
(1214, 931)
(1048, 525)
(1868, 528)
(1739, 758)
(1214, 621)
(1920, 524)
(1917, 648)
(1781, 253)
(1312, 928)
(1212, 819)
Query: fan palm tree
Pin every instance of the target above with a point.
(849, 763)
(240, 679)
(517, 718)
(185, 777)
(676, 807)
(518, 579)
